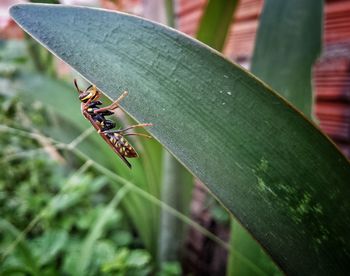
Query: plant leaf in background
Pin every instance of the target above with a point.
(30, 263)
(48, 245)
(286, 65)
(215, 22)
(278, 174)
(285, 52)
(96, 232)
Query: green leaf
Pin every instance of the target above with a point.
(273, 169)
(176, 192)
(246, 256)
(49, 245)
(286, 64)
(29, 262)
(128, 262)
(138, 258)
(296, 45)
(213, 30)
(216, 22)
(170, 269)
(96, 232)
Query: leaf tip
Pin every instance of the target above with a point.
(15, 10)
(28, 10)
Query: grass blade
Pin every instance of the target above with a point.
(97, 231)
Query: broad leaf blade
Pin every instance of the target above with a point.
(286, 63)
(284, 180)
(283, 57)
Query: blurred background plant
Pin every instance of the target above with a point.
(59, 215)
(69, 206)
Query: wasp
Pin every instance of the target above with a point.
(115, 138)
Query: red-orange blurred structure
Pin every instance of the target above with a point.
(332, 75)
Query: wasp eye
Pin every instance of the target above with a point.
(84, 96)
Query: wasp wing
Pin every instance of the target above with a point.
(106, 138)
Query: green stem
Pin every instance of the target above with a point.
(215, 22)
(170, 14)
(177, 186)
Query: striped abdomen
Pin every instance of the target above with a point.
(121, 145)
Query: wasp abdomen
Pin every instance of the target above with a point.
(122, 145)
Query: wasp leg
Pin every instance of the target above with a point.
(89, 101)
(137, 134)
(135, 126)
(122, 131)
(126, 134)
(95, 104)
(126, 129)
(114, 105)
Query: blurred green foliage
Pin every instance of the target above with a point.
(58, 216)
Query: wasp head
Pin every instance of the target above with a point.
(90, 93)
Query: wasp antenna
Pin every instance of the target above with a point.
(76, 85)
